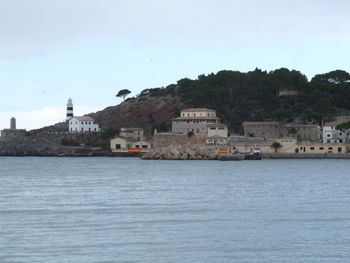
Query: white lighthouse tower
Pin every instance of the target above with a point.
(69, 109)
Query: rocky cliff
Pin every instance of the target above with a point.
(147, 113)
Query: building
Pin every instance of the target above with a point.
(303, 132)
(216, 140)
(264, 129)
(120, 144)
(217, 129)
(272, 129)
(130, 140)
(288, 145)
(331, 135)
(195, 120)
(83, 124)
(69, 114)
(13, 131)
(135, 133)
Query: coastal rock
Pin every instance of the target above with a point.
(183, 152)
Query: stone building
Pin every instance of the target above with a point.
(264, 129)
(307, 132)
(195, 120)
(13, 131)
(135, 133)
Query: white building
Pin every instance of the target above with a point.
(83, 124)
(331, 135)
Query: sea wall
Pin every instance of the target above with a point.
(305, 155)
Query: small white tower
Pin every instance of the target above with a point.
(69, 109)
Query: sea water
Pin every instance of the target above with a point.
(106, 210)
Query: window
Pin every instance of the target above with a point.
(144, 146)
(330, 148)
(221, 128)
(117, 146)
(321, 148)
(212, 128)
(339, 149)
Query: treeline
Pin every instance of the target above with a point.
(283, 95)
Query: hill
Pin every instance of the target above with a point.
(281, 95)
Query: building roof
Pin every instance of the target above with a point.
(198, 109)
(84, 118)
(196, 118)
(217, 125)
(303, 125)
(261, 123)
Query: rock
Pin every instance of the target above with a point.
(183, 152)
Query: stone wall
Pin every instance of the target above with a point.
(167, 139)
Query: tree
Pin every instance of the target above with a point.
(276, 146)
(333, 77)
(281, 114)
(343, 127)
(109, 133)
(123, 93)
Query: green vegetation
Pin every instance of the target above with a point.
(69, 142)
(276, 146)
(344, 126)
(109, 133)
(123, 93)
(161, 127)
(255, 95)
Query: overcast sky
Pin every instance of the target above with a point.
(51, 50)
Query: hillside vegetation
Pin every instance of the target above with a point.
(283, 95)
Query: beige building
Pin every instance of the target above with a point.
(290, 145)
(217, 129)
(129, 145)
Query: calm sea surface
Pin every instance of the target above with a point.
(99, 210)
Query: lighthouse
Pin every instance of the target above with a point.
(69, 109)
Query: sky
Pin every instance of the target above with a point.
(90, 49)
